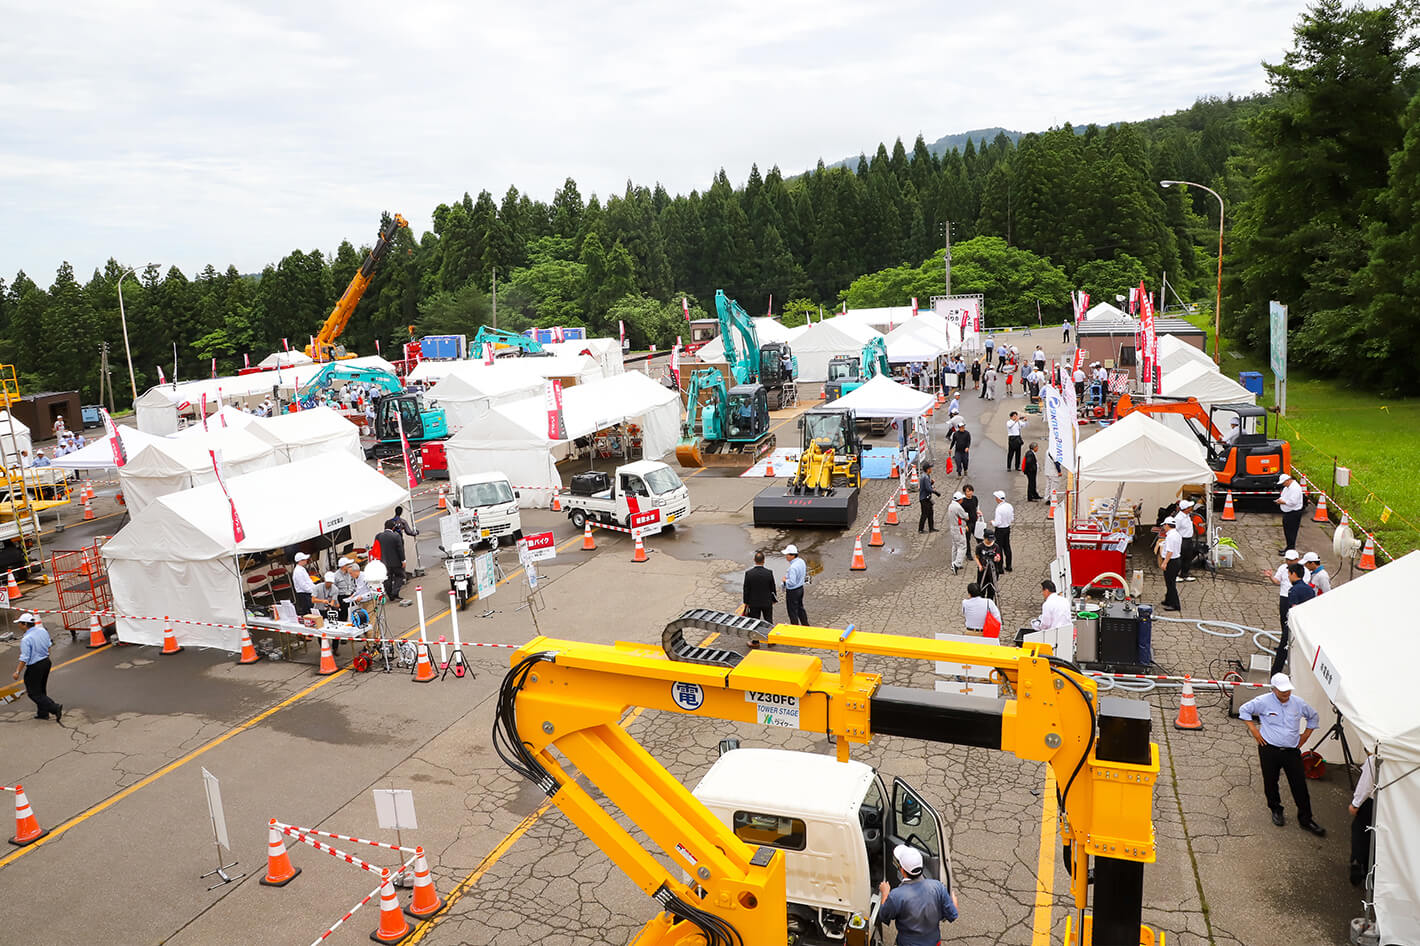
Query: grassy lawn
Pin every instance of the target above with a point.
(1330, 421)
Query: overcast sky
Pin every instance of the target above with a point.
(227, 131)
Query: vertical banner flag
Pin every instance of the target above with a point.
(285, 344)
(161, 379)
(488, 353)
(675, 362)
(1148, 343)
(621, 332)
(684, 307)
(914, 307)
(410, 479)
(557, 335)
(556, 425)
(1133, 299)
(377, 346)
(120, 455)
(204, 412)
(214, 368)
(1062, 431)
(238, 533)
(246, 361)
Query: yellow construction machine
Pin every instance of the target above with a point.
(824, 488)
(732, 867)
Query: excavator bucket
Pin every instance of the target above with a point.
(687, 453)
(779, 506)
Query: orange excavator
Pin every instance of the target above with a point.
(1240, 452)
(323, 346)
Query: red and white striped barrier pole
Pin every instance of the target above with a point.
(349, 839)
(1193, 680)
(303, 835)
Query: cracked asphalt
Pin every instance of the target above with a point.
(120, 781)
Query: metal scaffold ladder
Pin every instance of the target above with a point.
(20, 506)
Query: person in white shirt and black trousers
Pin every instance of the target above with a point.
(1290, 502)
(1014, 440)
(1170, 551)
(1183, 523)
(1004, 518)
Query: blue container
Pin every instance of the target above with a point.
(1252, 380)
(1146, 634)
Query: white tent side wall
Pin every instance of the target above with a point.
(1152, 462)
(207, 591)
(156, 411)
(14, 441)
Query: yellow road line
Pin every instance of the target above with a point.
(1045, 869)
(17, 687)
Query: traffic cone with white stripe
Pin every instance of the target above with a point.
(279, 871)
(639, 555)
(170, 644)
(327, 658)
(443, 499)
(1188, 708)
(96, 633)
(13, 587)
(393, 926)
(902, 498)
(249, 654)
(769, 466)
(859, 564)
(894, 474)
(426, 901)
(589, 543)
(1368, 555)
(556, 503)
(913, 481)
(891, 517)
(1322, 514)
(875, 539)
(424, 665)
(1228, 514)
(1054, 501)
(88, 511)
(27, 829)
(89, 490)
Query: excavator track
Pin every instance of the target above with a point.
(752, 631)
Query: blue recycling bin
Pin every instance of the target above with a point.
(1252, 380)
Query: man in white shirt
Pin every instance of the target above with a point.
(1170, 550)
(957, 518)
(1290, 502)
(302, 586)
(1283, 581)
(1014, 441)
(1054, 609)
(1316, 573)
(974, 609)
(1231, 436)
(1001, 521)
(1039, 357)
(1079, 378)
(1183, 522)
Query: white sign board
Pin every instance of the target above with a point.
(394, 807)
(487, 577)
(1326, 674)
(774, 709)
(214, 808)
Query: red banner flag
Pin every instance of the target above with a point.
(684, 307)
(285, 345)
(214, 369)
(621, 332)
(914, 307)
(246, 361)
(238, 533)
(204, 412)
(556, 425)
(161, 379)
(410, 479)
(120, 455)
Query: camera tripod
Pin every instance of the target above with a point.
(1338, 731)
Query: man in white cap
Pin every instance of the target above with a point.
(1001, 521)
(301, 584)
(917, 904)
(34, 665)
(958, 520)
(1183, 523)
(1316, 573)
(1274, 719)
(794, 577)
(1290, 502)
(1281, 578)
(1170, 548)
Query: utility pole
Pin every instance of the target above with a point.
(495, 296)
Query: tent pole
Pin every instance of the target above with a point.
(414, 539)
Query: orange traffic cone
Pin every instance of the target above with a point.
(588, 542)
(940, 399)
(1053, 503)
(13, 589)
(85, 568)
(88, 510)
(249, 654)
(875, 540)
(895, 474)
(913, 481)
(27, 829)
(379, 466)
(443, 499)
(902, 498)
(426, 900)
(639, 555)
(1368, 555)
(170, 644)
(96, 633)
(769, 466)
(327, 658)
(279, 871)
(424, 666)
(859, 564)
(556, 503)
(88, 489)
(1322, 514)
(891, 517)
(1188, 709)
(393, 926)
(1228, 514)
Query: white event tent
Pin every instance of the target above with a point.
(1174, 353)
(606, 352)
(570, 369)
(15, 440)
(1200, 380)
(1106, 312)
(172, 465)
(1151, 460)
(228, 416)
(512, 438)
(177, 557)
(1373, 658)
(471, 388)
(308, 433)
(818, 343)
(99, 454)
(913, 347)
(883, 397)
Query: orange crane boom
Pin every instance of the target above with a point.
(323, 347)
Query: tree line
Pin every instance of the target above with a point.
(1319, 175)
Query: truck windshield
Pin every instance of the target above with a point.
(662, 481)
(487, 494)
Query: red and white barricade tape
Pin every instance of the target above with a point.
(302, 835)
(1194, 681)
(348, 838)
(351, 912)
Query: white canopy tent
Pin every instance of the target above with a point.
(512, 438)
(913, 347)
(883, 397)
(1106, 312)
(308, 433)
(14, 441)
(172, 465)
(818, 343)
(284, 359)
(227, 417)
(1373, 657)
(1152, 462)
(1201, 380)
(1174, 353)
(471, 388)
(606, 352)
(886, 318)
(99, 454)
(177, 556)
(769, 330)
(571, 369)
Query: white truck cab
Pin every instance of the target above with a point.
(837, 826)
(634, 488)
(493, 500)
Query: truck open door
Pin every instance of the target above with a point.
(913, 822)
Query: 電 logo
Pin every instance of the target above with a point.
(688, 696)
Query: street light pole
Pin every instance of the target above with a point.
(1218, 304)
(123, 318)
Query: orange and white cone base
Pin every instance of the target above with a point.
(249, 654)
(1229, 515)
(589, 544)
(424, 666)
(443, 499)
(639, 554)
(170, 644)
(96, 633)
(88, 511)
(902, 498)
(13, 587)
(891, 518)
(875, 539)
(27, 829)
(859, 564)
(327, 658)
(279, 871)
(556, 503)
(1187, 709)
(1368, 555)
(1322, 514)
(393, 926)
(426, 901)
(1054, 501)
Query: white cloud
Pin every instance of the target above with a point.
(233, 132)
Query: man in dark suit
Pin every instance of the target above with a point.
(1030, 467)
(759, 596)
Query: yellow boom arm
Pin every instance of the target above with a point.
(324, 348)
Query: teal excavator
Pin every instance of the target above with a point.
(726, 428)
(422, 423)
(848, 373)
(501, 339)
(771, 365)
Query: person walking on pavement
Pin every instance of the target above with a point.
(976, 377)
(34, 667)
(925, 492)
(972, 505)
(794, 578)
(988, 563)
(1014, 441)
(1273, 719)
(957, 521)
(397, 523)
(918, 904)
(759, 596)
(960, 440)
(1170, 548)
(1290, 502)
(392, 555)
(1001, 521)
(990, 347)
(1030, 466)
(1183, 522)
(1298, 592)
(988, 383)
(1066, 327)
(974, 609)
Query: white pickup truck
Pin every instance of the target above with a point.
(490, 500)
(635, 490)
(838, 827)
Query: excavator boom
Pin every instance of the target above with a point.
(323, 347)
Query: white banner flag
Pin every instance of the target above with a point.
(1062, 428)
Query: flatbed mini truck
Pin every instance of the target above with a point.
(636, 489)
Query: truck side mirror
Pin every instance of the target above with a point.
(729, 745)
(801, 423)
(911, 813)
(517, 494)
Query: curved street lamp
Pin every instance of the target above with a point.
(1218, 305)
(124, 319)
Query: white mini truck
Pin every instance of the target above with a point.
(491, 500)
(838, 827)
(633, 491)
